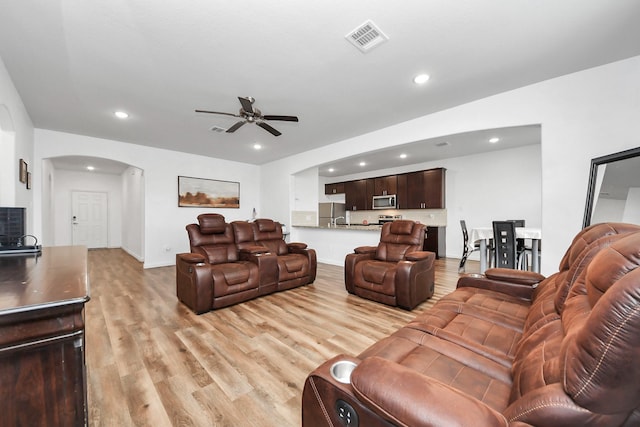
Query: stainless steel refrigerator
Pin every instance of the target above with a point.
(330, 212)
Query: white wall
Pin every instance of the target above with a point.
(632, 206)
(16, 142)
(133, 212)
(67, 182)
(583, 115)
(164, 221)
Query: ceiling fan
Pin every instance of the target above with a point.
(248, 114)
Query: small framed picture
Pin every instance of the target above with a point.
(28, 180)
(23, 171)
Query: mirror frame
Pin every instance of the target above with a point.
(593, 174)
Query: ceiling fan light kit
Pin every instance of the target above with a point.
(248, 114)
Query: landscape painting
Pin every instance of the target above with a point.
(207, 193)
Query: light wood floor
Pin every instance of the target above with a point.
(152, 362)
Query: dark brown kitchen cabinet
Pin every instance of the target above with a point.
(435, 241)
(385, 185)
(355, 195)
(335, 188)
(42, 343)
(424, 189)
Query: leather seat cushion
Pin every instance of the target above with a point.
(293, 266)
(234, 277)
(376, 276)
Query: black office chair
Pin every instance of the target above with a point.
(504, 244)
(466, 249)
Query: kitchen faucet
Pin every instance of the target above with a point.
(335, 220)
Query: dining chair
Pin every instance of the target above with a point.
(504, 244)
(467, 249)
(522, 250)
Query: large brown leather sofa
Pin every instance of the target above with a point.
(397, 272)
(508, 348)
(236, 262)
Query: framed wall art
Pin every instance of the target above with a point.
(23, 171)
(207, 193)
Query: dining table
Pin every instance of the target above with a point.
(484, 234)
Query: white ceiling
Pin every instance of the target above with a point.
(76, 62)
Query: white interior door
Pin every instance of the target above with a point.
(89, 219)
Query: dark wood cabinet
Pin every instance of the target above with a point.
(335, 188)
(424, 189)
(42, 344)
(385, 185)
(436, 241)
(355, 195)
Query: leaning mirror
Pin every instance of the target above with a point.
(614, 189)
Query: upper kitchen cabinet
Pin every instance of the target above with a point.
(355, 195)
(423, 189)
(385, 185)
(335, 188)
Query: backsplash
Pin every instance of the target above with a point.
(430, 217)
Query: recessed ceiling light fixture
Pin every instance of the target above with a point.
(403, 156)
(421, 79)
(331, 169)
(363, 164)
(494, 140)
(121, 114)
(257, 146)
(90, 168)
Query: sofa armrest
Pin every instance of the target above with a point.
(350, 262)
(296, 246)
(516, 283)
(191, 258)
(405, 397)
(417, 255)
(365, 250)
(253, 250)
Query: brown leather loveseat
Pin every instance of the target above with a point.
(508, 348)
(232, 263)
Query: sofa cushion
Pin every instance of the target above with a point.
(266, 225)
(212, 223)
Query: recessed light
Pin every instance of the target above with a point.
(331, 169)
(121, 114)
(363, 164)
(403, 156)
(90, 168)
(494, 140)
(421, 79)
(257, 146)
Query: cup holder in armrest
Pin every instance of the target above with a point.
(341, 371)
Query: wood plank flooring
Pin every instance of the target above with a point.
(152, 362)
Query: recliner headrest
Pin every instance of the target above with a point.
(212, 223)
(401, 227)
(266, 224)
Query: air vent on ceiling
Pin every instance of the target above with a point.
(442, 144)
(366, 36)
(218, 129)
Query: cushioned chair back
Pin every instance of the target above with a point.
(213, 238)
(504, 241)
(268, 233)
(601, 320)
(399, 238)
(243, 232)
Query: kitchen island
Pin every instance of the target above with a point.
(333, 243)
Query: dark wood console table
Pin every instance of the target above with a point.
(42, 360)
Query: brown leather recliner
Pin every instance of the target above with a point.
(397, 272)
(212, 275)
(296, 264)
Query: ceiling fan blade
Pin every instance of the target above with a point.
(247, 104)
(236, 126)
(283, 118)
(269, 129)
(217, 112)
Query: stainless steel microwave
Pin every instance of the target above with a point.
(384, 202)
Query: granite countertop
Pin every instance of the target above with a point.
(368, 227)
